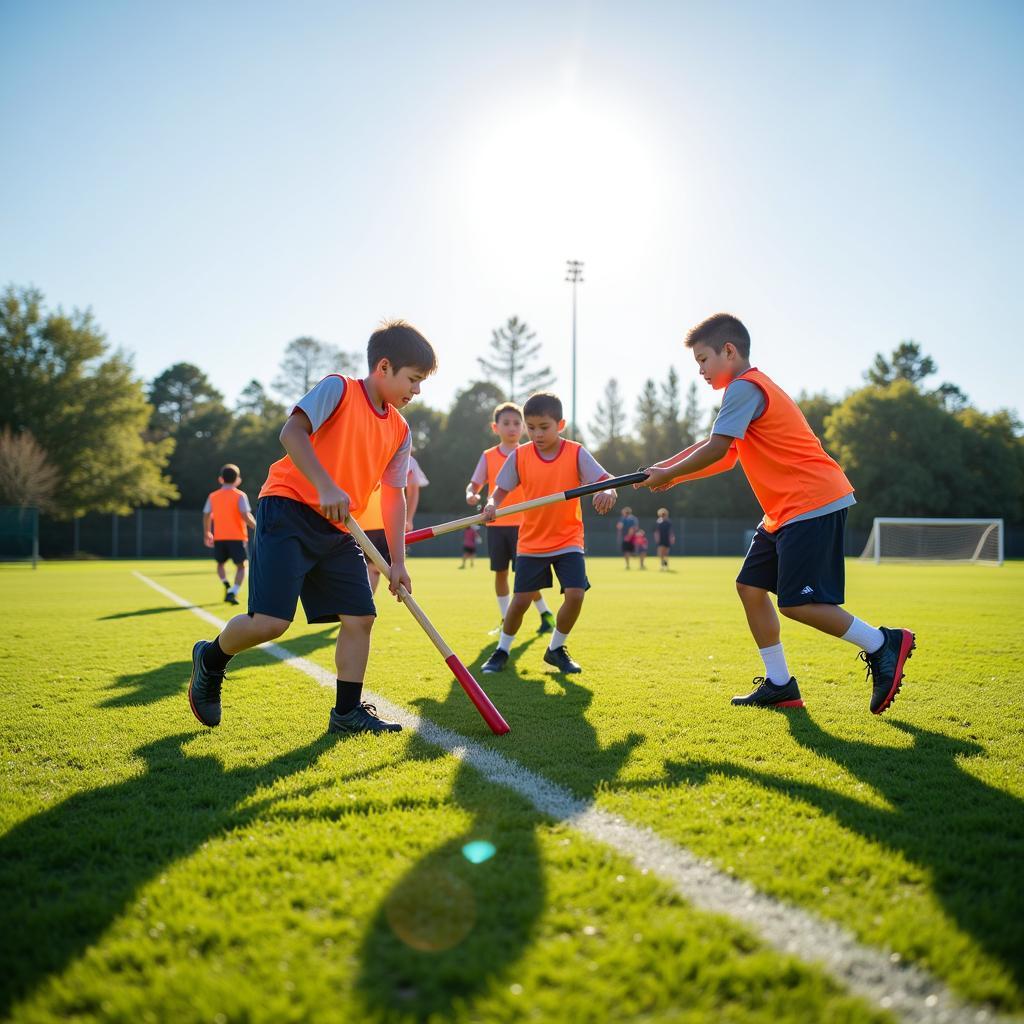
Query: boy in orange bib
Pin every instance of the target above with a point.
(343, 439)
(227, 519)
(550, 537)
(503, 535)
(797, 552)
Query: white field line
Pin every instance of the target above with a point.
(906, 991)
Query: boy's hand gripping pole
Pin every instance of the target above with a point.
(482, 702)
(549, 499)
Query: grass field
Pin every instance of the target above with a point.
(262, 871)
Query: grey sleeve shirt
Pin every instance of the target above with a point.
(320, 402)
(743, 402)
(590, 471)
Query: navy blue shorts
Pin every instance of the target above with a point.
(233, 549)
(379, 539)
(803, 563)
(299, 555)
(533, 572)
(501, 547)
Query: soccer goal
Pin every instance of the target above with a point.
(936, 540)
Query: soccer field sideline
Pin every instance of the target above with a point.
(905, 990)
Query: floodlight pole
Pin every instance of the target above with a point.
(574, 274)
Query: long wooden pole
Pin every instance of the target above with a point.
(474, 691)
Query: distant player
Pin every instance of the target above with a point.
(372, 520)
(625, 528)
(640, 546)
(470, 538)
(663, 537)
(342, 439)
(227, 519)
(551, 537)
(797, 552)
(502, 536)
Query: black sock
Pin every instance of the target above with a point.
(347, 698)
(214, 658)
(225, 582)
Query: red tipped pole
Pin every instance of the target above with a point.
(491, 715)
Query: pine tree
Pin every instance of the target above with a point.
(512, 352)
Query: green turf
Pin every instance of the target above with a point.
(154, 870)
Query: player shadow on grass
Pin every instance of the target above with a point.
(135, 689)
(967, 836)
(70, 871)
(450, 928)
(162, 609)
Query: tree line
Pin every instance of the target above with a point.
(80, 432)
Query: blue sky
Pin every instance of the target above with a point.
(215, 179)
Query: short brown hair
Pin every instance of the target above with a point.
(507, 407)
(401, 345)
(543, 403)
(719, 329)
(229, 473)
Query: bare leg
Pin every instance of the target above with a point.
(243, 632)
(572, 605)
(828, 618)
(374, 575)
(514, 615)
(501, 582)
(353, 647)
(761, 616)
(239, 575)
(222, 573)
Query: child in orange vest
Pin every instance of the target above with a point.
(797, 552)
(503, 535)
(551, 537)
(343, 438)
(372, 519)
(227, 518)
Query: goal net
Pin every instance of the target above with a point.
(936, 540)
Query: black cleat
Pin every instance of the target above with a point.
(561, 659)
(230, 597)
(768, 695)
(496, 662)
(204, 688)
(547, 623)
(885, 666)
(362, 718)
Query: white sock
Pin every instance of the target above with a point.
(557, 640)
(504, 600)
(505, 643)
(776, 670)
(866, 637)
(541, 605)
(233, 590)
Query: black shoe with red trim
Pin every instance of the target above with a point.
(885, 666)
(768, 695)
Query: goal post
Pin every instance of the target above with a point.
(976, 541)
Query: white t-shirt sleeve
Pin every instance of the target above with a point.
(416, 475)
(508, 475)
(207, 508)
(479, 477)
(321, 400)
(243, 503)
(590, 469)
(396, 473)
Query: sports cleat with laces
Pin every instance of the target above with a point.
(204, 688)
(547, 623)
(768, 695)
(496, 662)
(231, 597)
(562, 660)
(362, 718)
(885, 667)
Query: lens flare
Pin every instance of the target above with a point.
(478, 851)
